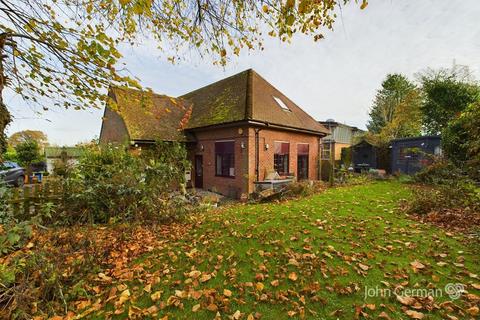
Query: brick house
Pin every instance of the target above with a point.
(237, 131)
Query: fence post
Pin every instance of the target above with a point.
(26, 202)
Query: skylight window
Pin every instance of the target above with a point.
(281, 103)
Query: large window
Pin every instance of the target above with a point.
(225, 159)
(281, 157)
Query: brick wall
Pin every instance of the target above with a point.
(268, 137)
(233, 187)
(242, 184)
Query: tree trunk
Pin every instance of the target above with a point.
(4, 113)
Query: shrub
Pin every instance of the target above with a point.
(111, 184)
(5, 213)
(448, 188)
(440, 172)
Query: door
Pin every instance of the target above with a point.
(302, 166)
(199, 171)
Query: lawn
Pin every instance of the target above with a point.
(315, 257)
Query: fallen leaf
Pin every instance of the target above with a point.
(205, 277)
(363, 267)
(195, 308)
(227, 293)
(275, 283)
(416, 265)
(384, 315)
(414, 314)
(293, 276)
(408, 301)
(156, 296)
(473, 311)
(237, 315)
(259, 286)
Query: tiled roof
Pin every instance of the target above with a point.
(150, 116)
(246, 96)
(241, 97)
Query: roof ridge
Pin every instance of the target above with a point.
(216, 82)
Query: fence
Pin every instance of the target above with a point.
(30, 200)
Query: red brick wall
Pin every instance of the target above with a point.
(242, 184)
(233, 187)
(269, 136)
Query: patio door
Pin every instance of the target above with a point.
(302, 161)
(198, 171)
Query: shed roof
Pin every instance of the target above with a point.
(56, 152)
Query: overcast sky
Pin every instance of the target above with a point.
(334, 78)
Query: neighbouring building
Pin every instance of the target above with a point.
(237, 131)
(342, 136)
(410, 155)
(61, 155)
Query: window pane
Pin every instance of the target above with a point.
(225, 158)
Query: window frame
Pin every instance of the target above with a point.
(231, 161)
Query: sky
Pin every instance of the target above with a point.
(335, 78)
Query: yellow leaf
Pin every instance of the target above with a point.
(205, 277)
(293, 276)
(237, 315)
(156, 296)
(227, 293)
(259, 286)
(195, 308)
(124, 296)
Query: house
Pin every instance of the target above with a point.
(238, 131)
(342, 136)
(65, 155)
(410, 155)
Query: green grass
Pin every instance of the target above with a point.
(327, 236)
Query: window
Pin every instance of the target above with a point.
(225, 159)
(281, 157)
(281, 103)
(326, 149)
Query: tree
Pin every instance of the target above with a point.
(461, 140)
(23, 136)
(396, 109)
(65, 53)
(28, 152)
(447, 92)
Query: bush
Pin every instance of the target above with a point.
(448, 188)
(5, 213)
(441, 172)
(111, 184)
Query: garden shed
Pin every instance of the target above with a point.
(410, 155)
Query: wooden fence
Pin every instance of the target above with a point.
(30, 200)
